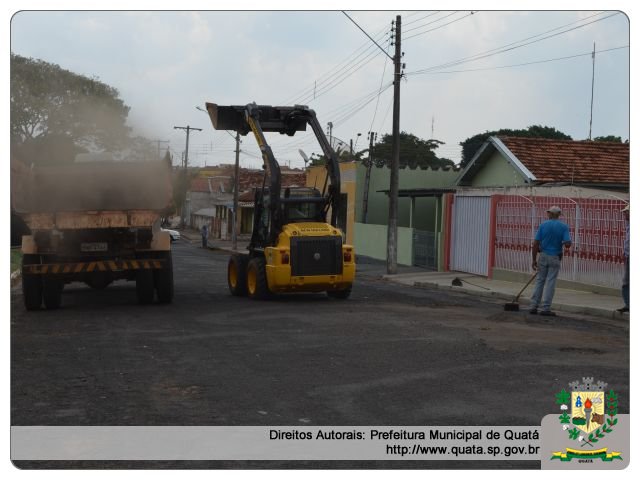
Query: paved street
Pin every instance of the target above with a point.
(390, 355)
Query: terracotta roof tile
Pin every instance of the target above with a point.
(579, 162)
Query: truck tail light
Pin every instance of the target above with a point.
(284, 256)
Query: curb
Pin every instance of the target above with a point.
(601, 312)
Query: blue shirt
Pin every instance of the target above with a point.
(551, 235)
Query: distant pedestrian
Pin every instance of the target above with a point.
(551, 236)
(625, 278)
(205, 234)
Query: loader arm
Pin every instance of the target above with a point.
(285, 120)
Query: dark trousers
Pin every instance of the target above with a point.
(625, 283)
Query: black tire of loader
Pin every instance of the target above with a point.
(339, 294)
(144, 286)
(262, 291)
(239, 262)
(31, 284)
(163, 279)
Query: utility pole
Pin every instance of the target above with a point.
(392, 229)
(330, 131)
(373, 136)
(593, 74)
(234, 232)
(186, 163)
(158, 142)
(186, 150)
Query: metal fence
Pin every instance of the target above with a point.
(597, 230)
(425, 249)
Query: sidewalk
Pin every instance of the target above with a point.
(193, 236)
(564, 300)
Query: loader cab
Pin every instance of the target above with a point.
(297, 205)
(303, 204)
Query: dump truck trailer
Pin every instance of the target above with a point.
(94, 221)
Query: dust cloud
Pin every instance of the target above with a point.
(55, 172)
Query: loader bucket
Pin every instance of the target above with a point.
(228, 118)
(285, 120)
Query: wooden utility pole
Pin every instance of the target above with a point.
(186, 163)
(593, 76)
(186, 150)
(236, 186)
(367, 178)
(392, 228)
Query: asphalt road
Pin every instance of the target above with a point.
(390, 355)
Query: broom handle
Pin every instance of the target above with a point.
(526, 285)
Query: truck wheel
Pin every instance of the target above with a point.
(52, 292)
(31, 284)
(144, 286)
(339, 294)
(237, 274)
(257, 286)
(163, 279)
(99, 280)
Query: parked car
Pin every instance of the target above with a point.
(174, 234)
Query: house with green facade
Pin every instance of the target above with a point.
(420, 213)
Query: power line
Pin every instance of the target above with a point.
(422, 18)
(386, 114)
(513, 45)
(428, 23)
(375, 112)
(362, 30)
(440, 26)
(344, 64)
(340, 120)
(344, 75)
(517, 64)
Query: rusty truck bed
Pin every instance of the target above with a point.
(110, 188)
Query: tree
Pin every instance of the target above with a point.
(414, 152)
(608, 138)
(471, 145)
(49, 100)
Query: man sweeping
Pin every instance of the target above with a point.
(551, 236)
(626, 245)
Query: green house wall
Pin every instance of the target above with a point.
(378, 210)
(497, 172)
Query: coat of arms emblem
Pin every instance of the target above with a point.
(588, 414)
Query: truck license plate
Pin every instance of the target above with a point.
(94, 247)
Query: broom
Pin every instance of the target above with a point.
(515, 306)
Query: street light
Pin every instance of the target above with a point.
(234, 232)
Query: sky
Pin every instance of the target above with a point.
(464, 71)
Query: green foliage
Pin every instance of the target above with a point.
(414, 152)
(562, 398)
(574, 433)
(471, 145)
(564, 418)
(612, 404)
(608, 138)
(48, 100)
(16, 259)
